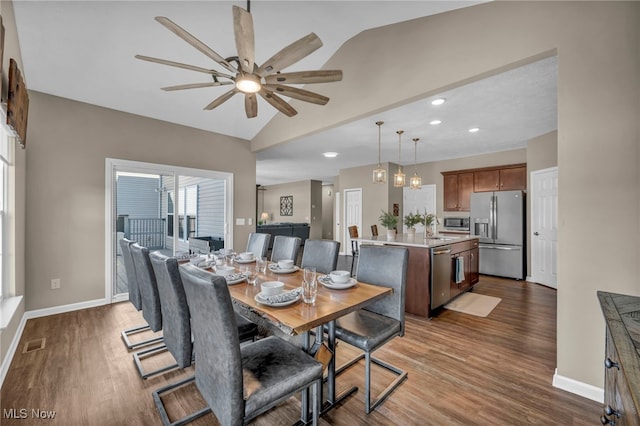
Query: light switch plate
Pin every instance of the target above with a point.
(240, 221)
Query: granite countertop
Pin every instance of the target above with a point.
(418, 240)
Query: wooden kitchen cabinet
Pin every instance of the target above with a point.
(500, 179)
(622, 361)
(469, 252)
(457, 191)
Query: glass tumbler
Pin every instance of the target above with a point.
(262, 263)
(309, 285)
(252, 274)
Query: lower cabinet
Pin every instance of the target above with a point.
(468, 254)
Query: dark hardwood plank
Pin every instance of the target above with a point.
(463, 370)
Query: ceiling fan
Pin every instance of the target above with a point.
(247, 76)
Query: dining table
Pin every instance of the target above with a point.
(298, 318)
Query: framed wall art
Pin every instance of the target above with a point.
(286, 205)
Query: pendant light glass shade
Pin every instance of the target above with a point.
(379, 173)
(399, 177)
(416, 181)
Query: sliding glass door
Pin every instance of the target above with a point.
(162, 207)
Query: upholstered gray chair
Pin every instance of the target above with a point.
(151, 308)
(321, 254)
(134, 297)
(371, 327)
(240, 383)
(176, 327)
(285, 248)
(258, 244)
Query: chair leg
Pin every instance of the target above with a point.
(163, 412)
(317, 389)
(139, 356)
(139, 329)
(368, 404)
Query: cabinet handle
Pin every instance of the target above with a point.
(609, 364)
(471, 256)
(611, 412)
(607, 421)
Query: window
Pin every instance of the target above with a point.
(6, 157)
(187, 212)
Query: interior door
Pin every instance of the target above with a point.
(544, 226)
(352, 214)
(417, 201)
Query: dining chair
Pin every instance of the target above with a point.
(285, 247)
(353, 234)
(373, 326)
(151, 308)
(321, 254)
(241, 382)
(374, 230)
(258, 244)
(134, 298)
(176, 328)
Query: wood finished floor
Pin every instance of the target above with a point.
(463, 370)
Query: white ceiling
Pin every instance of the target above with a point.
(84, 50)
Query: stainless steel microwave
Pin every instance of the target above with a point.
(461, 223)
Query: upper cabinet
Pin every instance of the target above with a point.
(458, 185)
(503, 179)
(457, 191)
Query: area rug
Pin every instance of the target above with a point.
(474, 304)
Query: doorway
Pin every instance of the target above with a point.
(161, 207)
(544, 226)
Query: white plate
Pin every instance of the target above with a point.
(277, 270)
(258, 298)
(326, 281)
(238, 260)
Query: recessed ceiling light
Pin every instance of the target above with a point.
(330, 154)
(438, 101)
(435, 122)
(474, 129)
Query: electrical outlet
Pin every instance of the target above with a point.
(55, 283)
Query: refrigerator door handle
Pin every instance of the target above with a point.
(493, 247)
(492, 218)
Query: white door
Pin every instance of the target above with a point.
(417, 201)
(544, 227)
(352, 215)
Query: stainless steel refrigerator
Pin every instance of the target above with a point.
(498, 218)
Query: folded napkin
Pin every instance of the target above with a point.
(285, 297)
(235, 276)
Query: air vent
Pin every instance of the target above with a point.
(34, 345)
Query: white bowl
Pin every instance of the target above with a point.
(340, 277)
(271, 288)
(224, 270)
(285, 264)
(247, 255)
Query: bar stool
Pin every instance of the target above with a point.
(353, 234)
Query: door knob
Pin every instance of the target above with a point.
(536, 233)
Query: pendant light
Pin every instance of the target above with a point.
(416, 181)
(399, 178)
(379, 173)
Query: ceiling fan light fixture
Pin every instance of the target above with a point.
(248, 83)
(379, 173)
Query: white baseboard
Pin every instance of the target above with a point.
(582, 389)
(37, 314)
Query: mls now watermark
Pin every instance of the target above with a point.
(27, 413)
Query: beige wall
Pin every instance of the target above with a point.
(67, 147)
(316, 210)
(598, 127)
(301, 192)
(328, 207)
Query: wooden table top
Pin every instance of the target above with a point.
(300, 317)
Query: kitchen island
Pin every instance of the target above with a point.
(439, 268)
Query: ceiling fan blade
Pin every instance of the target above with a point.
(197, 85)
(278, 103)
(181, 65)
(290, 54)
(251, 105)
(245, 39)
(305, 77)
(221, 99)
(300, 94)
(186, 36)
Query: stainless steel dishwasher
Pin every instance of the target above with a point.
(440, 275)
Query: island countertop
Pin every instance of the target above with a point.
(417, 240)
